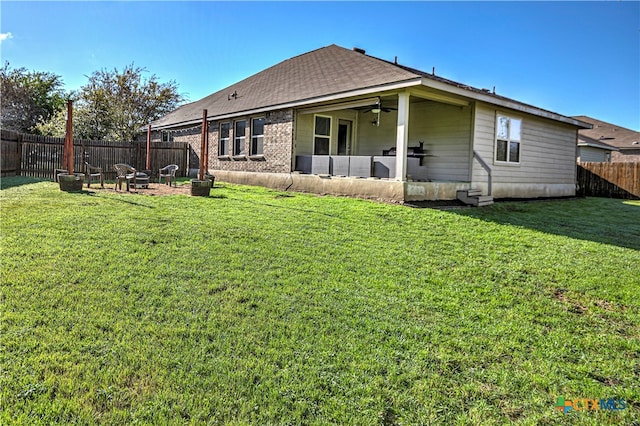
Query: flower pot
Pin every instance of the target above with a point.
(71, 183)
(200, 188)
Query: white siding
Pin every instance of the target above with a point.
(304, 130)
(547, 151)
(304, 134)
(445, 130)
(374, 139)
(590, 154)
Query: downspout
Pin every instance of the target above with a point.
(486, 167)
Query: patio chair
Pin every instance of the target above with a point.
(124, 173)
(93, 172)
(169, 174)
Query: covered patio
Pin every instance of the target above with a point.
(410, 135)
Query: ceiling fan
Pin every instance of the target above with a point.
(376, 109)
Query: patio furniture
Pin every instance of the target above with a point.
(124, 173)
(169, 174)
(93, 172)
(140, 180)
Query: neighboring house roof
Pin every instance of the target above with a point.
(593, 143)
(326, 74)
(610, 134)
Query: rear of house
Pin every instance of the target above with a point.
(617, 144)
(341, 122)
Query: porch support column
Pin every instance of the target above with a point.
(402, 136)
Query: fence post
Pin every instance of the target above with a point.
(185, 159)
(19, 155)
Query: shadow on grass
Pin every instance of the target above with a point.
(289, 208)
(13, 181)
(602, 220)
(126, 200)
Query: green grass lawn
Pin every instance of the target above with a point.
(260, 307)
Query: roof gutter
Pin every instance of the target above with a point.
(597, 145)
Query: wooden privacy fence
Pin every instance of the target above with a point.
(38, 156)
(614, 180)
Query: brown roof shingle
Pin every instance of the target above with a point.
(325, 71)
(611, 134)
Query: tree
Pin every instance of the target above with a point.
(116, 105)
(29, 98)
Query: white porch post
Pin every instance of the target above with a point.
(402, 136)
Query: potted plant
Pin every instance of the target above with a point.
(68, 180)
(201, 187)
(71, 182)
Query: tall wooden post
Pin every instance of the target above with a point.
(67, 155)
(203, 144)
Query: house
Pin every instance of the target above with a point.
(625, 142)
(339, 121)
(593, 150)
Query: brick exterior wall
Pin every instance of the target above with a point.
(277, 144)
(629, 156)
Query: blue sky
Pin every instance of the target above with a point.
(574, 58)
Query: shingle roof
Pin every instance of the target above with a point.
(608, 133)
(326, 71)
(594, 143)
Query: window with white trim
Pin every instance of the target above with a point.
(321, 135)
(239, 137)
(223, 140)
(257, 136)
(508, 139)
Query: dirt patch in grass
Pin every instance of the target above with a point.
(572, 305)
(155, 189)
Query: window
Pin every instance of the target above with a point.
(257, 136)
(223, 140)
(167, 137)
(239, 137)
(321, 135)
(508, 138)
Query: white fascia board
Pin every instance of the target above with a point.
(438, 97)
(597, 145)
(296, 104)
(504, 103)
(340, 105)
